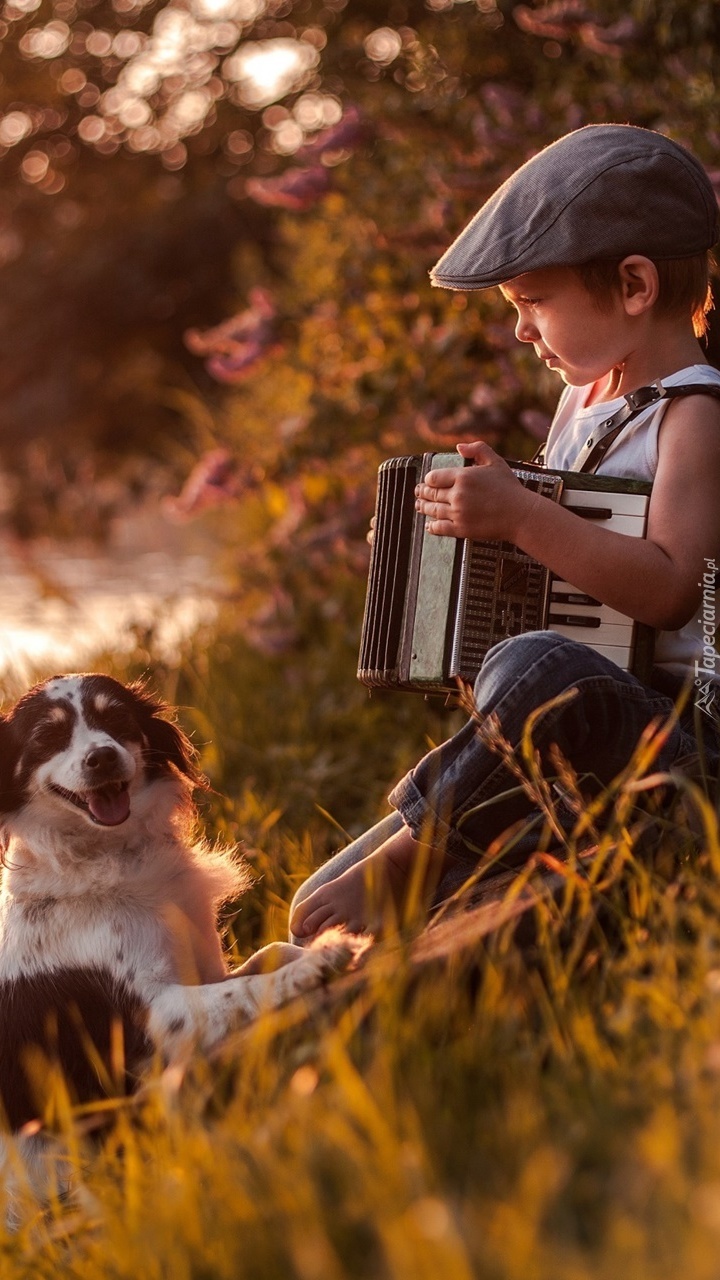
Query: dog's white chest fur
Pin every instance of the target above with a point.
(108, 904)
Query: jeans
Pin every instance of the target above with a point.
(596, 730)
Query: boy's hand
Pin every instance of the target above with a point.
(482, 501)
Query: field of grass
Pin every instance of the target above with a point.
(545, 1106)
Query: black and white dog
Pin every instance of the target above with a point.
(108, 907)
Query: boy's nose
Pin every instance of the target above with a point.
(525, 330)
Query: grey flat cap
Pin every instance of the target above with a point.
(603, 191)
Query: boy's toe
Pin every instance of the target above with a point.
(320, 918)
(300, 916)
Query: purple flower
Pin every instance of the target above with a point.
(296, 189)
(234, 347)
(214, 479)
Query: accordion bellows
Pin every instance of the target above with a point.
(435, 605)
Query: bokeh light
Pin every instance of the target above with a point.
(46, 42)
(383, 45)
(15, 126)
(265, 70)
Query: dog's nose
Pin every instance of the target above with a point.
(101, 760)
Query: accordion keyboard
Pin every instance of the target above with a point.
(580, 617)
(434, 606)
(508, 592)
(502, 591)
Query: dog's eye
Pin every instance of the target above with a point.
(51, 734)
(119, 723)
(52, 729)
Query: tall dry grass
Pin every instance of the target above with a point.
(542, 1106)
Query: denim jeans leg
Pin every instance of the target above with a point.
(596, 729)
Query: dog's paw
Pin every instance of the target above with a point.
(332, 953)
(340, 951)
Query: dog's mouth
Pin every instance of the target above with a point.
(108, 805)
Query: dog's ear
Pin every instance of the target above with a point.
(167, 743)
(8, 760)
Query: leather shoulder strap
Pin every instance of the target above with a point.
(597, 444)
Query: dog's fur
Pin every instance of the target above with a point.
(107, 907)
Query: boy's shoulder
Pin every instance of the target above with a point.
(688, 436)
(688, 397)
(692, 394)
(693, 402)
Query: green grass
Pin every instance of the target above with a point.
(546, 1110)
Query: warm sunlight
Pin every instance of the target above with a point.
(267, 69)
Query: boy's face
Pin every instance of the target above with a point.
(557, 314)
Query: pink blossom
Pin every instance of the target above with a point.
(343, 136)
(234, 347)
(213, 480)
(296, 189)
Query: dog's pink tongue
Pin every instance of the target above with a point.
(109, 806)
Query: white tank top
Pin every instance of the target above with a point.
(634, 454)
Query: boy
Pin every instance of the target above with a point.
(601, 244)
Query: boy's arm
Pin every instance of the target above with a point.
(655, 579)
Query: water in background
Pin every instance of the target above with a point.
(62, 602)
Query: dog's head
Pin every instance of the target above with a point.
(86, 744)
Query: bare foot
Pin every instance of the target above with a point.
(375, 892)
(348, 900)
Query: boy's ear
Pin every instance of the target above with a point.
(639, 284)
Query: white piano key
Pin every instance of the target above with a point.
(614, 634)
(601, 611)
(633, 526)
(623, 504)
(614, 638)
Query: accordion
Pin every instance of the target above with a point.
(435, 605)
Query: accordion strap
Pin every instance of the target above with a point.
(598, 443)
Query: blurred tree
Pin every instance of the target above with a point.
(361, 358)
(160, 161)
(217, 219)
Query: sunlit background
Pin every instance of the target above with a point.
(217, 219)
